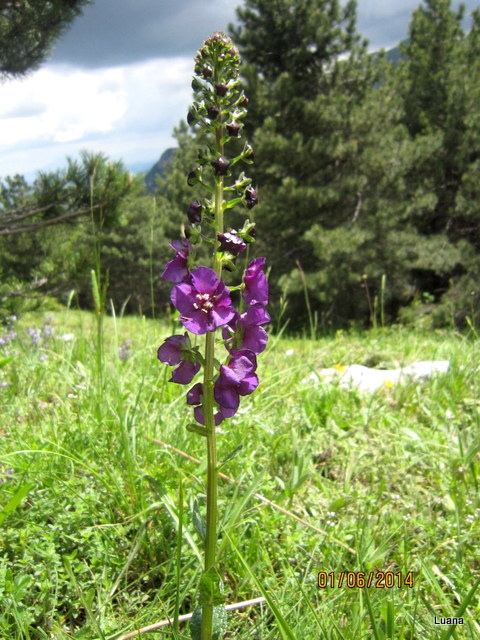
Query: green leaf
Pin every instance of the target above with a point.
(196, 428)
(13, 503)
(219, 623)
(231, 455)
(198, 522)
(5, 361)
(211, 588)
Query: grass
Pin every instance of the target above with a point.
(90, 503)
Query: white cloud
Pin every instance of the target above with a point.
(122, 111)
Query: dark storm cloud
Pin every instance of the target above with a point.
(119, 32)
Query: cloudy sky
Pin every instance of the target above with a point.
(119, 79)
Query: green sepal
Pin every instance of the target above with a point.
(211, 589)
(197, 428)
(231, 203)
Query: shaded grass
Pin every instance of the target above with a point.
(90, 550)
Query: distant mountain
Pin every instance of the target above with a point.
(142, 166)
(158, 169)
(393, 55)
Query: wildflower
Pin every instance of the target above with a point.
(236, 379)
(256, 286)
(176, 351)
(125, 351)
(204, 302)
(34, 335)
(176, 270)
(247, 332)
(231, 242)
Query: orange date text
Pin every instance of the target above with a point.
(361, 579)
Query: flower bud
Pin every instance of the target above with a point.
(194, 212)
(191, 116)
(221, 165)
(192, 177)
(212, 112)
(221, 89)
(233, 128)
(251, 197)
(207, 71)
(244, 103)
(248, 153)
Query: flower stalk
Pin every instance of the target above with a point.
(203, 299)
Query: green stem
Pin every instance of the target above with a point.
(208, 408)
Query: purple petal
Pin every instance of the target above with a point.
(194, 396)
(171, 351)
(185, 372)
(226, 396)
(248, 385)
(255, 339)
(204, 280)
(198, 414)
(222, 316)
(176, 269)
(254, 316)
(183, 297)
(197, 323)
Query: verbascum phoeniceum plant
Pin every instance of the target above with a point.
(233, 331)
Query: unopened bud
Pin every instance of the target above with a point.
(221, 165)
(207, 71)
(233, 128)
(221, 89)
(251, 197)
(212, 112)
(192, 177)
(194, 212)
(244, 103)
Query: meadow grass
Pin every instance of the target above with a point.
(90, 500)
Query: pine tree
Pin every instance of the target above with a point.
(28, 30)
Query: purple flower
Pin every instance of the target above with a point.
(176, 270)
(256, 286)
(204, 301)
(236, 379)
(231, 242)
(247, 332)
(34, 335)
(194, 397)
(220, 165)
(175, 351)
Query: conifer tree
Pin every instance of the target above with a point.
(28, 30)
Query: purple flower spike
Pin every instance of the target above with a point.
(176, 270)
(256, 286)
(204, 302)
(172, 352)
(229, 241)
(236, 379)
